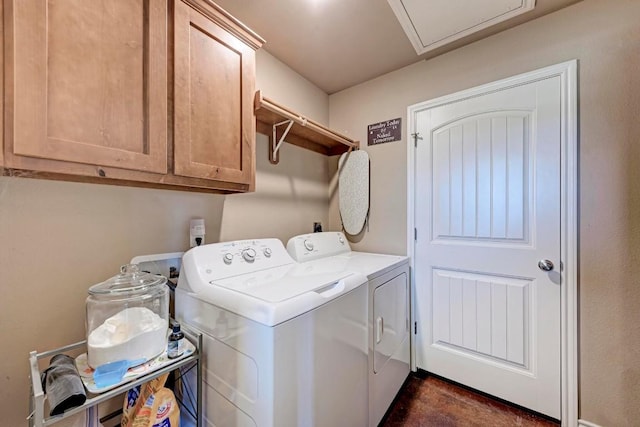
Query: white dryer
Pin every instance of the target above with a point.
(284, 344)
(389, 314)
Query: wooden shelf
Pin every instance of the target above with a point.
(304, 132)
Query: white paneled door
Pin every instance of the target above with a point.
(487, 250)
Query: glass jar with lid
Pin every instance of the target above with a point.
(127, 317)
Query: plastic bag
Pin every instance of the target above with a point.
(151, 405)
(160, 410)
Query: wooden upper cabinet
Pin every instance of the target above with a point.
(87, 93)
(214, 78)
(89, 82)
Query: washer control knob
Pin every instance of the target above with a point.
(227, 258)
(267, 252)
(308, 244)
(341, 240)
(249, 255)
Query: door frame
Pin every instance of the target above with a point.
(567, 71)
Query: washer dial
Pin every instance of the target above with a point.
(227, 258)
(308, 244)
(249, 254)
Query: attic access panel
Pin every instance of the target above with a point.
(430, 24)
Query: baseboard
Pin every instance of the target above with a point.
(584, 423)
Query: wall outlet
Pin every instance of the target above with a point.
(196, 232)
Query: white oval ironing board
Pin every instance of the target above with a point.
(353, 190)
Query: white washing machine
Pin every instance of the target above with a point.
(284, 344)
(389, 314)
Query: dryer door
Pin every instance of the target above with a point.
(390, 320)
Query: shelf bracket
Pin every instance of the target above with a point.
(275, 143)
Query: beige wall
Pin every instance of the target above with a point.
(604, 35)
(291, 196)
(280, 83)
(59, 238)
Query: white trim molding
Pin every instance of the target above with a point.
(584, 423)
(567, 71)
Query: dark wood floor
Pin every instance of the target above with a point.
(432, 401)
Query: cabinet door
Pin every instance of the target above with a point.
(89, 82)
(214, 127)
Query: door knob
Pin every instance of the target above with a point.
(545, 265)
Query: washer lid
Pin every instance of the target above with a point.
(278, 294)
(280, 284)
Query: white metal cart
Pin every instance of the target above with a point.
(38, 418)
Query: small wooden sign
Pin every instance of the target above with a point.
(387, 131)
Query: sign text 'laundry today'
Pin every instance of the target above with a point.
(387, 131)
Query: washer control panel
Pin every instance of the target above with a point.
(220, 260)
(245, 251)
(307, 247)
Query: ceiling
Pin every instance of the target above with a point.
(336, 44)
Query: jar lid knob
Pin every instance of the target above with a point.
(129, 268)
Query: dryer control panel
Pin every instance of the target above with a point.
(307, 247)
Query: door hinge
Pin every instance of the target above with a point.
(415, 328)
(415, 234)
